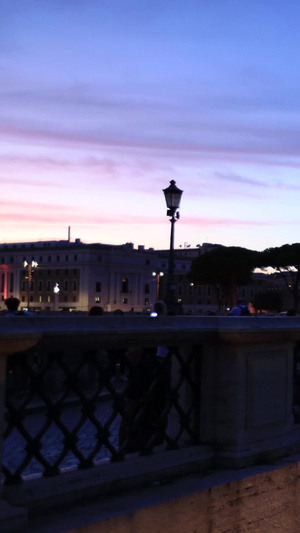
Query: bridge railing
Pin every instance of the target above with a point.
(85, 392)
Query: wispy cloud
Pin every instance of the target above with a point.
(28, 183)
(125, 99)
(240, 180)
(276, 143)
(45, 214)
(272, 183)
(224, 222)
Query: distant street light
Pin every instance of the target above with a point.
(56, 290)
(30, 270)
(172, 197)
(157, 276)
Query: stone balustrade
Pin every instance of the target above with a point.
(239, 372)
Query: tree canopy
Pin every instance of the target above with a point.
(224, 268)
(285, 260)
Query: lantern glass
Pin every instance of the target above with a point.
(172, 196)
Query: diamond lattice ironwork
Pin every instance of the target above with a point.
(77, 408)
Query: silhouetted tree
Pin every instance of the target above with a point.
(267, 301)
(224, 268)
(285, 260)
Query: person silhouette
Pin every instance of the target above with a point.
(12, 305)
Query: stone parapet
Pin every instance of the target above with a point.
(245, 390)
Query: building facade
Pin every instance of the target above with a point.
(74, 276)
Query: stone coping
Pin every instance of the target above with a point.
(114, 331)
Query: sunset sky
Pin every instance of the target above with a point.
(103, 102)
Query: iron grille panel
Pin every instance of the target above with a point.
(78, 408)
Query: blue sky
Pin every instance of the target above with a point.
(102, 103)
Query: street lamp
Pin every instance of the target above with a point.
(172, 197)
(157, 275)
(30, 269)
(56, 290)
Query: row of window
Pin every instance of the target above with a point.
(39, 272)
(49, 285)
(48, 299)
(124, 286)
(191, 289)
(200, 291)
(124, 300)
(41, 259)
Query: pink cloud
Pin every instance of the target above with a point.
(205, 221)
(29, 182)
(29, 207)
(59, 215)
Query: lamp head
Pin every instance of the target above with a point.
(172, 197)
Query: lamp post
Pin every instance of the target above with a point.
(30, 269)
(172, 197)
(157, 275)
(56, 290)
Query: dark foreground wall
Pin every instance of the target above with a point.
(266, 502)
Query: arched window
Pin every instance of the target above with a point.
(124, 285)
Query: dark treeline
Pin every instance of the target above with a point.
(225, 268)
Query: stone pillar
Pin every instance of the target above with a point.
(252, 416)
